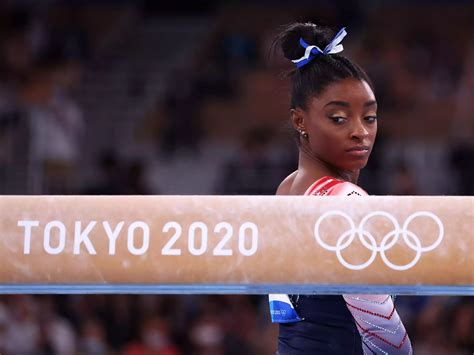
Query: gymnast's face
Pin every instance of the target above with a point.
(341, 124)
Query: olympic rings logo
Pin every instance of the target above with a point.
(388, 241)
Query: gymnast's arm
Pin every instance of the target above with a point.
(377, 320)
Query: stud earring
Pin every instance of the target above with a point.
(304, 134)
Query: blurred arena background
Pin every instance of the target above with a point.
(151, 97)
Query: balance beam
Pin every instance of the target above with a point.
(237, 244)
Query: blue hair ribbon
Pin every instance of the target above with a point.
(312, 51)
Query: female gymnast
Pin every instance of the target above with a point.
(334, 114)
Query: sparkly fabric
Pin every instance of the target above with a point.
(325, 327)
(377, 320)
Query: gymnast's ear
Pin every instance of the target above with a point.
(297, 117)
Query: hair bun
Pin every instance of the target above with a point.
(289, 38)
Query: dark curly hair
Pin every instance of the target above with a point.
(311, 79)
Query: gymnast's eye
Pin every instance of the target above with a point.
(370, 119)
(338, 120)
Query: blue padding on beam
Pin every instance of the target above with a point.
(263, 289)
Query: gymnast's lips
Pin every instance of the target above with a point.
(359, 151)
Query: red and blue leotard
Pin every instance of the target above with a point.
(347, 324)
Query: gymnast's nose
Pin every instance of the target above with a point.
(359, 130)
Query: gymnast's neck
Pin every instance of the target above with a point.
(311, 169)
(315, 168)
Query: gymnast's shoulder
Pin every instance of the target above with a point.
(348, 189)
(285, 187)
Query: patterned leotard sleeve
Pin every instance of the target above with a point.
(377, 320)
